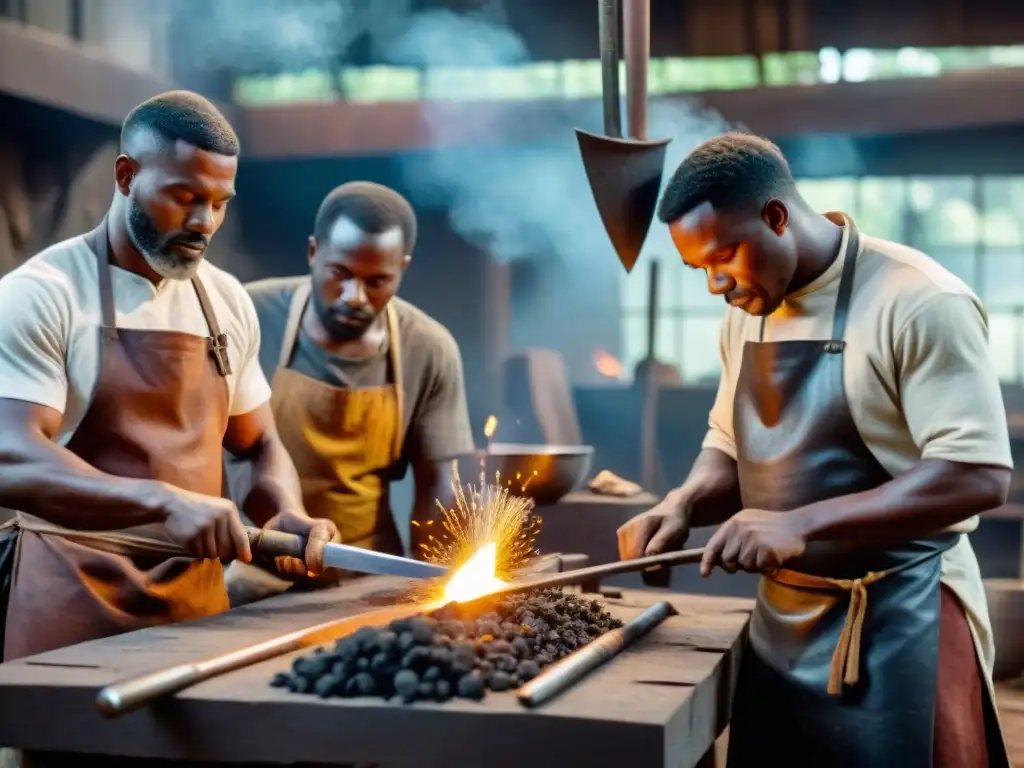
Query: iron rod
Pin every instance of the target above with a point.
(636, 25)
(131, 694)
(609, 22)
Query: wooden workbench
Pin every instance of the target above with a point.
(661, 703)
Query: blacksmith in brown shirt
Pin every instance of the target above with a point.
(364, 384)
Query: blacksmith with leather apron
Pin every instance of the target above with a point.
(364, 383)
(118, 387)
(858, 431)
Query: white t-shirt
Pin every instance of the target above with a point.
(917, 370)
(50, 316)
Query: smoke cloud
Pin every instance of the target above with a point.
(516, 202)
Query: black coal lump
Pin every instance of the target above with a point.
(311, 667)
(406, 684)
(281, 680)
(471, 686)
(499, 681)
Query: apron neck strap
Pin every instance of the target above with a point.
(98, 241)
(849, 255)
(846, 280)
(292, 326)
(395, 358)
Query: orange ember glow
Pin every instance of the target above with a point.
(476, 577)
(607, 364)
(490, 426)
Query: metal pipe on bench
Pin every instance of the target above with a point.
(564, 674)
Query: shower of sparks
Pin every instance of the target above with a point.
(483, 516)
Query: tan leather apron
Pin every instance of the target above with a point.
(159, 412)
(344, 442)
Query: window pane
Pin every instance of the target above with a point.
(1004, 341)
(701, 360)
(669, 282)
(1002, 276)
(959, 261)
(942, 212)
(633, 290)
(634, 343)
(881, 207)
(830, 194)
(666, 341)
(1004, 210)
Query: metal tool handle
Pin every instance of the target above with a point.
(131, 694)
(636, 25)
(276, 543)
(609, 23)
(563, 675)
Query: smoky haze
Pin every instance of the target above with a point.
(527, 203)
(516, 202)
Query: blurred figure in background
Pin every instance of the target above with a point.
(364, 384)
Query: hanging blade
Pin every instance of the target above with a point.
(624, 174)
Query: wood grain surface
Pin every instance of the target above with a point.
(662, 702)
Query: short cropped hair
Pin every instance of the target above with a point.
(373, 208)
(181, 116)
(729, 171)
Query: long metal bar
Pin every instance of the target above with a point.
(561, 676)
(136, 692)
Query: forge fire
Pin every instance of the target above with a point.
(462, 650)
(477, 640)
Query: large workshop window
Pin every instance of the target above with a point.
(974, 226)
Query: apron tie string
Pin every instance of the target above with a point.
(845, 669)
(846, 659)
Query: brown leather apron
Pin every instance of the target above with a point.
(159, 412)
(344, 442)
(842, 663)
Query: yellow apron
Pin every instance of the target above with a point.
(343, 441)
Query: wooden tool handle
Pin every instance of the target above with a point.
(275, 543)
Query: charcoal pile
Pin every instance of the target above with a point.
(453, 653)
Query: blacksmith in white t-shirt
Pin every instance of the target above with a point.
(126, 363)
(858, 431)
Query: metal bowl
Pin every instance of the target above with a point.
(544, 473)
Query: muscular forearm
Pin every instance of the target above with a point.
(275, 483)
(44, 479)
(934, 495)
(711, 493)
